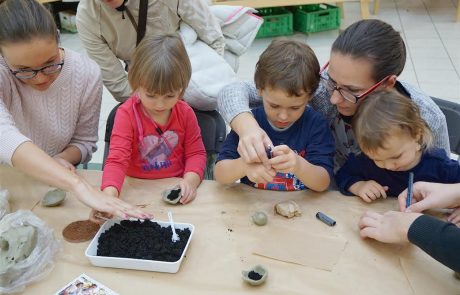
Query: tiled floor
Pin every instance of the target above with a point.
(432, 39)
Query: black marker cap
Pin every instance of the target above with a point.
(326, 219)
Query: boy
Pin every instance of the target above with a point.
(287, 74)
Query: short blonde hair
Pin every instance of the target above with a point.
(380, 113)
(161, 65)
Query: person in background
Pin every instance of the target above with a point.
(395, 141)
(367, 56)
(50, 100)
(108, 31)
(286, 76)
(438, 238)
(156, 133)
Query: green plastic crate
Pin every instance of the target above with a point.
(277, 22)
(316, 17)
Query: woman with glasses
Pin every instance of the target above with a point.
(50, 100)
(367, 56)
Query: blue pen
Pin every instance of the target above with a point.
(409, 189)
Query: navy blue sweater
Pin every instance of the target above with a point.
(434, 166)
(309, 136)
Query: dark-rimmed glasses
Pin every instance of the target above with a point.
(29, 74)
(346, 94)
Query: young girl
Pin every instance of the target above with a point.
(395, 141)
(156, 134)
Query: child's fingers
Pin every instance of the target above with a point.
(365, 197)
(383, 191)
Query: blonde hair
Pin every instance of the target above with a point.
(380, 113)
(160, 65)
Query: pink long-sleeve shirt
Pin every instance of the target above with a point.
(139, 149)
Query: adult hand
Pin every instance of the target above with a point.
(253, 139)
(284, 160)
(368, 190)
(426, 195)
(65, 163)
(259, 173)
(390, 227)
(454, 217)
(99, 217)
(105, 203)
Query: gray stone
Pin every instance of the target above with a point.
(53, 198)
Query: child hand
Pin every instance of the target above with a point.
(454, 217)
(259, 173)
(368, 190)
(284, 160)
(188, 191)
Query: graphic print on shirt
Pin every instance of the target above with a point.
(284, 181)
(155, 150)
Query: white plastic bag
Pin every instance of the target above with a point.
(4, 204)
(40, 261)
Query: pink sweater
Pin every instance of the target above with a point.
(140, 149)
(67, 113)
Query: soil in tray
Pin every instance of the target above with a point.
(142, 240)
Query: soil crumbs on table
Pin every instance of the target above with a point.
(142, 240)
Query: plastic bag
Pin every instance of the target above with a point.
(38, 263)
(4, 204)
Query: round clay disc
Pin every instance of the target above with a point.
(80, 231)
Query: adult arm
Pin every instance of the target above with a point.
(441, 240)
(31, 160)
(437, 238)
(234, 102)
(113, 73)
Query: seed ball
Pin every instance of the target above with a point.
(259, 218)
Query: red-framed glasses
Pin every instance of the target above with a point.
(346, 94)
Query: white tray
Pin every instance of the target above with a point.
(131, 263)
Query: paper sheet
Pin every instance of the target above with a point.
(320, 251)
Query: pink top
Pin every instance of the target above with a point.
(141, 148)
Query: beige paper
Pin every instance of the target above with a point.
(426, 277)
(317, 251)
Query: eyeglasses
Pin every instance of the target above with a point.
(346, 94)
(29, 74)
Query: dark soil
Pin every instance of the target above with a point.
(142, 240)
(174, 194)
(254, 275)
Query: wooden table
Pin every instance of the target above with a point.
(224, 238)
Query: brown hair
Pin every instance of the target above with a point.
(383, 111)
(161, 65)
(375, 41)
(24, 20)
(288, 65)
